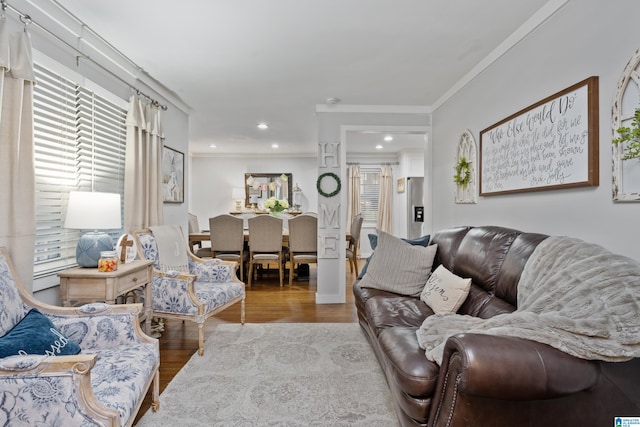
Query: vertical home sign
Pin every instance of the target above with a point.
(328, 213)
(549, 145)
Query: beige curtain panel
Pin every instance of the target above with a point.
(143, 167)
(385, 211)
(17, 177)
(354, 192)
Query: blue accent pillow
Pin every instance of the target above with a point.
(36, 334)
(373, 241)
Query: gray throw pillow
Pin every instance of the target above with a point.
(398, 266)
(373, 242)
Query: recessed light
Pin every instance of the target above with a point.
(263, 125)
(212, 146)
(274, 146)
(388, 138)
(379, 147)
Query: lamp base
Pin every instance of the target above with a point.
(89, 247)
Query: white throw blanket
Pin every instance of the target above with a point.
(172, 250)
(574, 296)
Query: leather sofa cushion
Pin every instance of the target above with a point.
(520, 251)
(406, 362)
(481, 254)
(388, 312)
(480, 303)
(362, 295)
(448, 242)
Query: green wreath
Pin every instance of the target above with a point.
(319, 184)
(463, 173)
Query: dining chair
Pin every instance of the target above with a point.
(194, 227)
(227, 239)
(265, 243)
(354, 242)
(303, 242)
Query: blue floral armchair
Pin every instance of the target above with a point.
(208, 288)
(103, 385)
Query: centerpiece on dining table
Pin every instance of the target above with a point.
(275, 206)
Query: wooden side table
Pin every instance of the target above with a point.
(84, 285)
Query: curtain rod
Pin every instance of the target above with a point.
(27, 20)
(371, 164)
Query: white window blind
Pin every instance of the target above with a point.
(369, 193)
(80, 140)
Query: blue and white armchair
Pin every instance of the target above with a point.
(209, 286)
(71, 366)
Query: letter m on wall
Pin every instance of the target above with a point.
(328, 216)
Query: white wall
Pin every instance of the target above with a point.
(213, 177)
(584, 38)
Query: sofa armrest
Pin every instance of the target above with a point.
(509, 368)
(213, 270)
(38, 389)
(175, 294)
(98, 325)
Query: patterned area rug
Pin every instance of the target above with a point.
(279, 374)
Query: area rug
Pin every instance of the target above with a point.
(279, 374)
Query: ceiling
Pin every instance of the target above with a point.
(236, 63)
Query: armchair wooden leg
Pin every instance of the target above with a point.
(155, 393)
(242, 311)
(200, 339)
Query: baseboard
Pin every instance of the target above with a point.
(330, 299)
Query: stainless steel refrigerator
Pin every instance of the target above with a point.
(414, 189)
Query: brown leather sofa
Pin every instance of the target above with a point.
(489, 380)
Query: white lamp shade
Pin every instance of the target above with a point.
(93, 211)
(237, 193)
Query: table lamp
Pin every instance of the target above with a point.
(237, 194)
(297, 193)
(93, 211)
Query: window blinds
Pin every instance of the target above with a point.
(369, 193)
(80, 142)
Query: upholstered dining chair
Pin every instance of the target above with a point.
(265, 243)
(227, 239)
(354, 243)
(184, 286)
(194, 227)
(303, 242)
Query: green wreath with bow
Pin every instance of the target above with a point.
(319, 184)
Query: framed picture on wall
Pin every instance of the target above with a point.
(552, 144)
(401, 185)
(172, 175)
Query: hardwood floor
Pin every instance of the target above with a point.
(265, 302)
